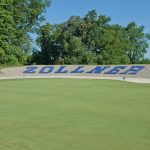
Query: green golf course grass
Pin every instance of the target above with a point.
(74, 114)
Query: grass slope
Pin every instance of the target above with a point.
(71, 114)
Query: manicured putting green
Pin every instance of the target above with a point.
(74, 114)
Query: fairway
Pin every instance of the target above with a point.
(74, 114)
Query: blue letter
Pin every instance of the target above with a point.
(98, 69)
(47, 69)
(115, 70)
(60, 70)
(77, 70)
(133, 70)
(30, 70)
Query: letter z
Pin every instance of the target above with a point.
(30, 70)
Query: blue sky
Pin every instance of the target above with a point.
(120, 11)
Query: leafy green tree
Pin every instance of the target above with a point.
(73, 50)
(137, 42)
(7, 33)
(88, 58)
(114, 45)
(17, 19)
(49, 44)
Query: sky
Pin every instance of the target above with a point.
(120, 11)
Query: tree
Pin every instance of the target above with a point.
(91, 40)
(73, 50)
(137, 42)
(17, 19)
(49, 43)
(113, 46)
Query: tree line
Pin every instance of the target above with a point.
(91, 39)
